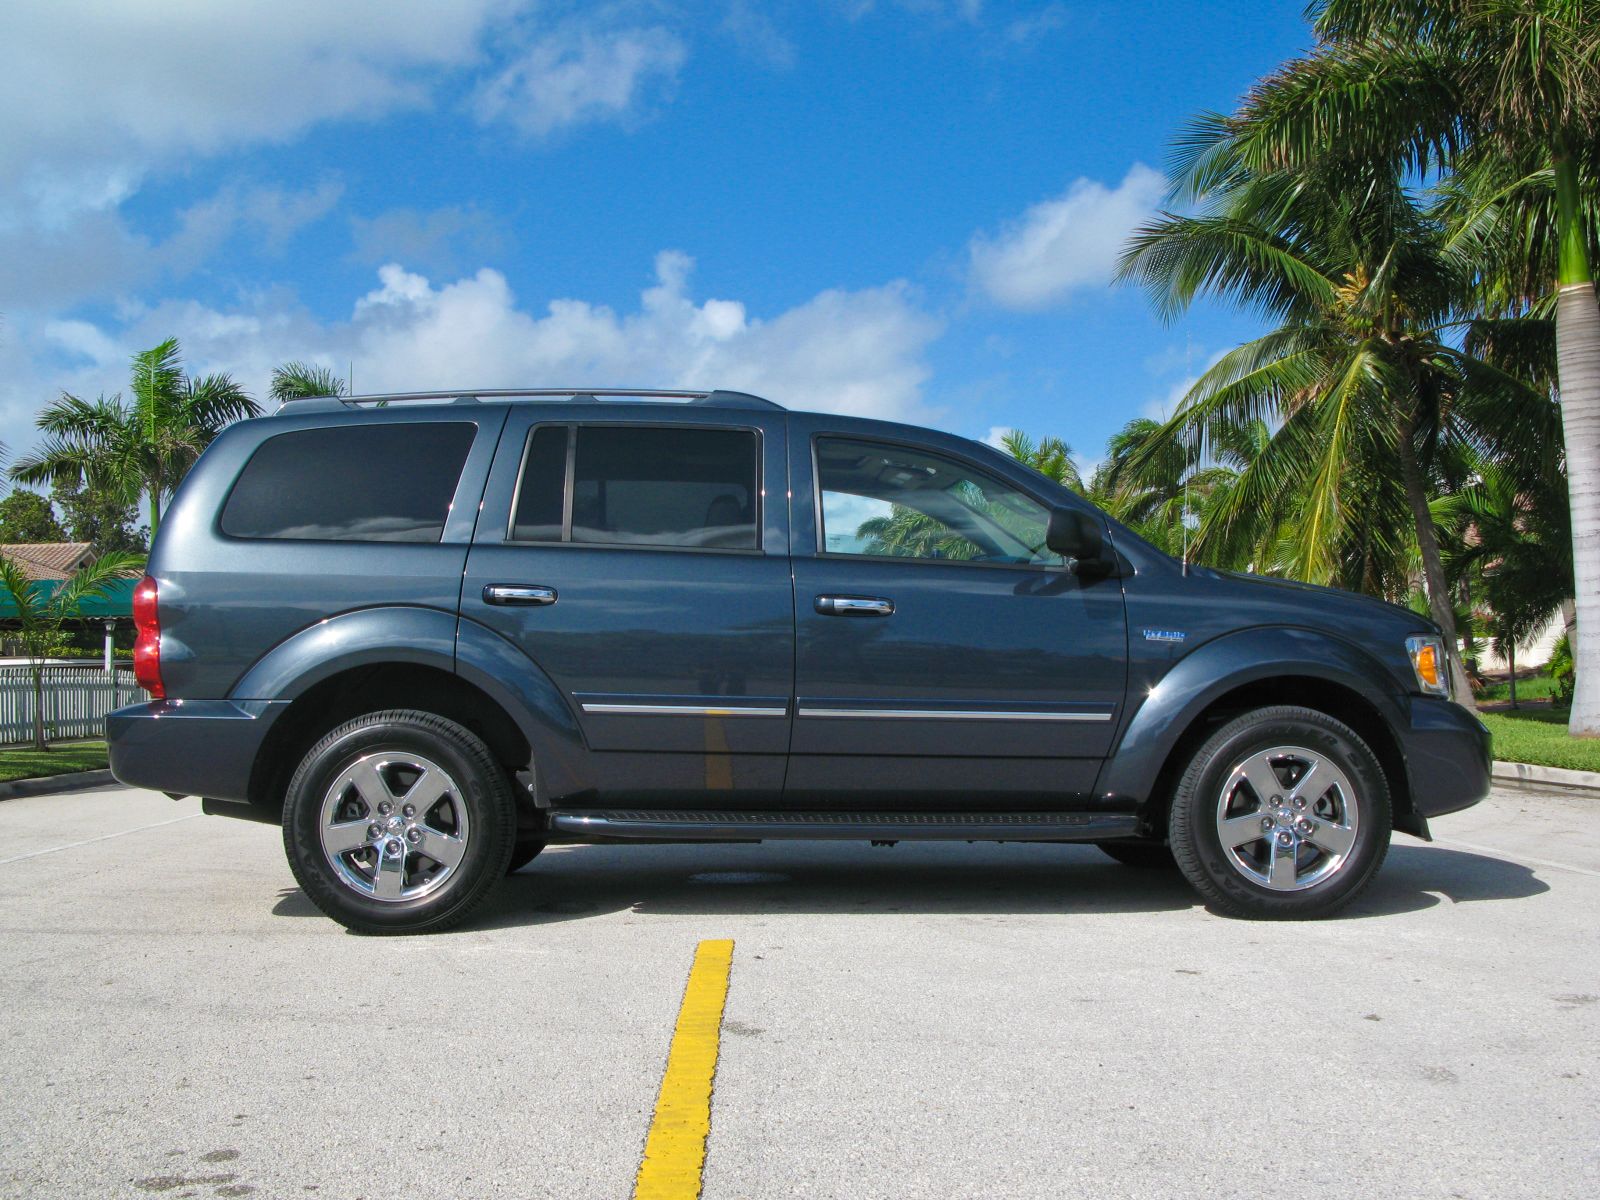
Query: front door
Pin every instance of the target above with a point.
(944, 657)
(644, 568)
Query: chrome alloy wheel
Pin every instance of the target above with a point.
(1287, 818)
(393, 826)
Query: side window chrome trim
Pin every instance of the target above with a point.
(948, 714)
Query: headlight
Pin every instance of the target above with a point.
(1427, 660)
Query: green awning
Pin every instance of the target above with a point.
(117, 601)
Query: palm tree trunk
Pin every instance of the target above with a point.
(155, 514)
(1569, 623)
(1433, 579)
(38, 710)
(1511, 661)
(1578, 365)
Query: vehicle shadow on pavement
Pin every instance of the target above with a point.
(572, 883)
(1416, 877)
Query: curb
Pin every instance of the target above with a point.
(46, 784)
(1516, 774)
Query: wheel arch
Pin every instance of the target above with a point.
(1254, 669)
(415, 658)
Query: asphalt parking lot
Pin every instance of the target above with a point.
(916, 1021)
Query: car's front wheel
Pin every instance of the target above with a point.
(399, 822)
(1283, 812)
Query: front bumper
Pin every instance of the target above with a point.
(1447, 753)
(190, 747)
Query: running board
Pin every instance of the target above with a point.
(662, 825)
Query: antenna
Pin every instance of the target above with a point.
(1188, 373)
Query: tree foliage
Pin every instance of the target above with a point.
(140, 447)
(26, 516)
(42, 607)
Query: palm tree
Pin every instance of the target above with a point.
(1486, 88)
(1510, 531)
(1362, 377)
(301, 381)
(144, 447)
(41, 610)
(1050, 456)
(909, 533)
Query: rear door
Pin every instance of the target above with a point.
(643, 565)
(944, 657)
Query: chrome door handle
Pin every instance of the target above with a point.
(518, 593)
(854, 606)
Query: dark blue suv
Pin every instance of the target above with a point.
(432, 634)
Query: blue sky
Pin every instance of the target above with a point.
(906, 209)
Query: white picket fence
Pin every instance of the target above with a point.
(76, 700)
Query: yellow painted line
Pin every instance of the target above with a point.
(675, 1151)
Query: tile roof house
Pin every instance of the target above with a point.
(49, 561)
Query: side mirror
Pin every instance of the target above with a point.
(1073, 533)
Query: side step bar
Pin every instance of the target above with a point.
(662, 825)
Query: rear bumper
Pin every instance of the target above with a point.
(1447, 755)
(190, 747)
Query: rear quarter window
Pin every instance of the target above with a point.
(351, 483)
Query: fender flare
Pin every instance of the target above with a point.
(500, 668)
(433, 638)
(362, 637)
(1128, 777)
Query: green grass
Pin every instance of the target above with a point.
(1539, 736)
(1529, 687)
(61, 759)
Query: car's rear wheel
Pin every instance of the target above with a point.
(1284, 812)
(1149, 856)
(398, 822)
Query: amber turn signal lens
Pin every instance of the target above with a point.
(1428, 665)
(1427, 661)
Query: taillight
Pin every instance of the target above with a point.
(147, 646)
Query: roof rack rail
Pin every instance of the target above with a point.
(712, 399)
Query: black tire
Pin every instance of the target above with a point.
(1244, 881)
(485, 823)
(1147, 856)
(523, 853)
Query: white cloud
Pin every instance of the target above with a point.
(847, 351)
(754, 31)
(93, 255)
(101, 93)
(860, 352)
(272, 214)
(1063, 244)
(1026, 30)
(578, 75)
(435, 240)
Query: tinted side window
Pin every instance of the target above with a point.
(899, 502)
(351, 483)
(665, 487)
(543, 486)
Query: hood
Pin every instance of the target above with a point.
(1327, 602)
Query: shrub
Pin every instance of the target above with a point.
(1562, 670)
